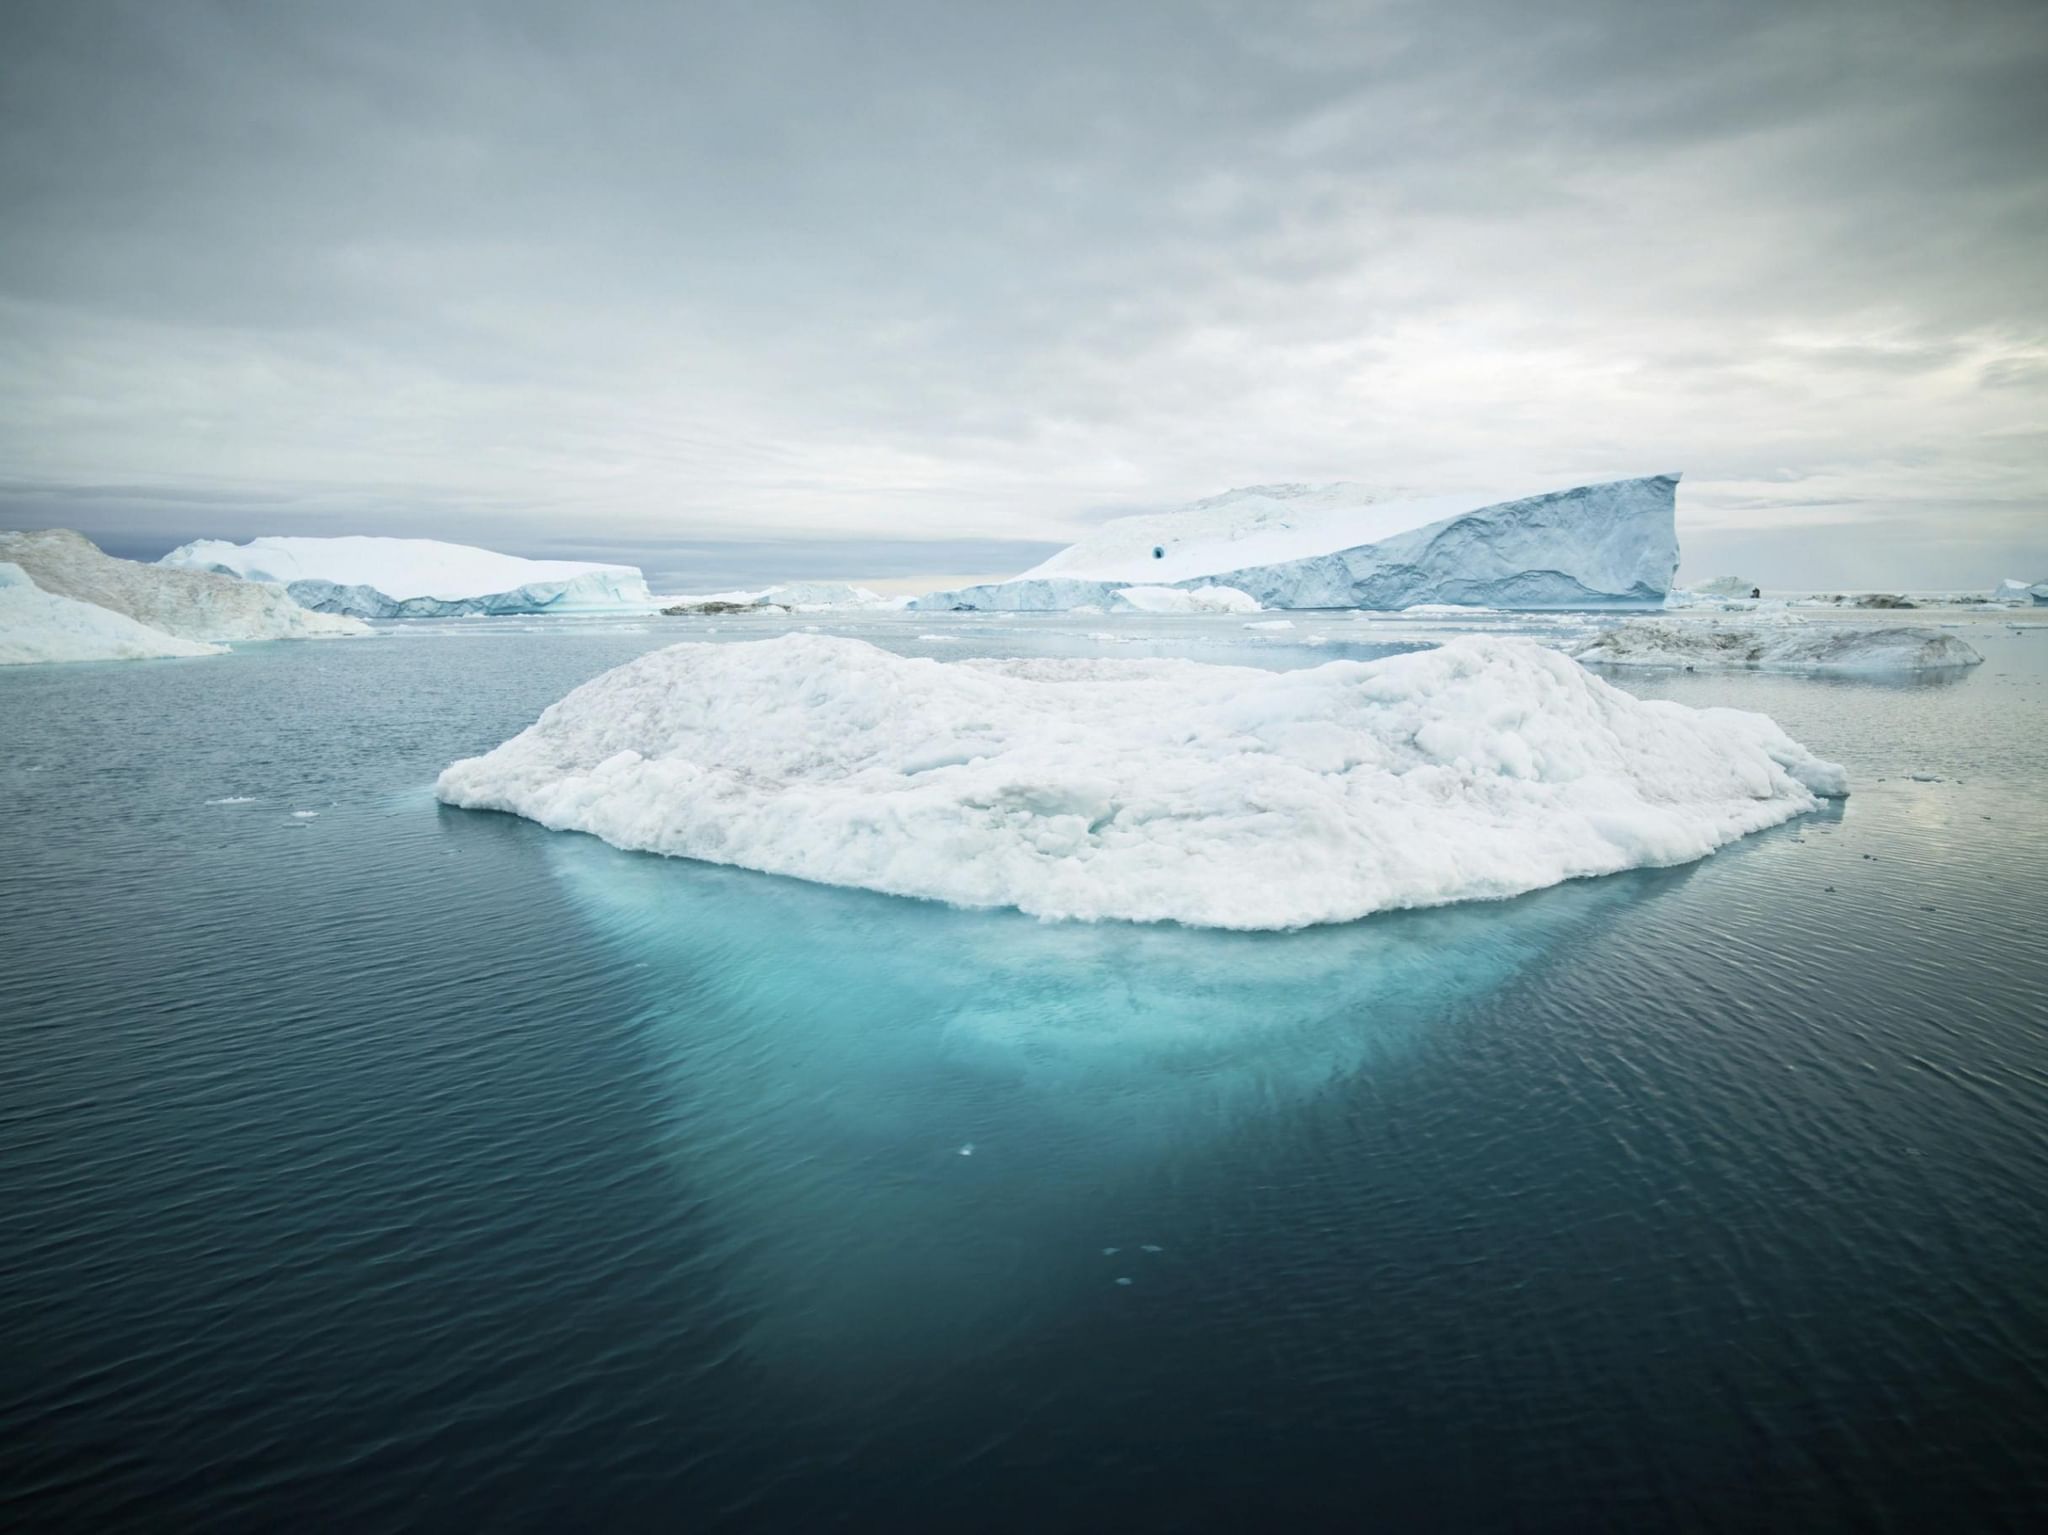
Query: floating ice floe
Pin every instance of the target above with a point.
(418, 577)
(1801, 646)
(1148, 790)
(38, 626)
(191, 604)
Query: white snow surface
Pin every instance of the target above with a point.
(39, 626)
(1173, 599)
(1256, 525)
(438, 578)
(1785, 644)
(191, 604)
(1147, 790)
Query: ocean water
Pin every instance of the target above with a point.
(367, 1164)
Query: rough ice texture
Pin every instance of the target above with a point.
(418, 577)
(1174, 599)
(796, 596)
(1726, 586)
(38, 626)
(1787, 645)
(192, 604)
(1146, 790)
(1334, 546)
(2020, 591)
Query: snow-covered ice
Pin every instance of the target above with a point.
(38, 626)
(192, 604)
(1727, 586)
(1149, 790)
(794, 596)
(1343, 546)
(1174, 599)
(418, 577)
(1792, 645)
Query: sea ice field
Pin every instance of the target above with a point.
(371, 1162)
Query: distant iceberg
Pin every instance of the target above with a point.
(1792, 645)
(191, 604)
(418, 577)
(38, 626)
(2020, 592)
(1339, 546)
(1176, 599)
(1153, 790)
(794, 597)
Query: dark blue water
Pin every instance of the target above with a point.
(404, 1168)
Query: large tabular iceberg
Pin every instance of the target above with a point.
(39, 626)
(419, 577)
(192, 604)
(1336, 546)
(1148, 790)
(1791, 646)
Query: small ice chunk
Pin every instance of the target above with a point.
(234, 799)
(1122, 1279)
(1110, 1252)
(1151, 1247)
(304, 815)
(967, 1150)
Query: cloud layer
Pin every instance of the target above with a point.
(880, 281)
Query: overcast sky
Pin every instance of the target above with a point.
(889, 289)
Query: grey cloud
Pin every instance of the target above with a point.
(772, 273)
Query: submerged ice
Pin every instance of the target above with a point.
(1146, 790)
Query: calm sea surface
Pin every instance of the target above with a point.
(366, 1164)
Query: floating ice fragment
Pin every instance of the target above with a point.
(1110, 1252)
(1151, 1247)
(967, 1150)
(1122, 1280)
(304, 815)
(234, 799)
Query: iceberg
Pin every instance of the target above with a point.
(795, 597)
(418, 577)
(1337, 546)
(1145, 790)
(39, 626)
(191, 604)
(1174, 599)
(1728, 586)
(2020, 592)
(1786, 645)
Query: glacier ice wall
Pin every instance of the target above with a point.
(190, 604)
(38, 626)
(1606, 545)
